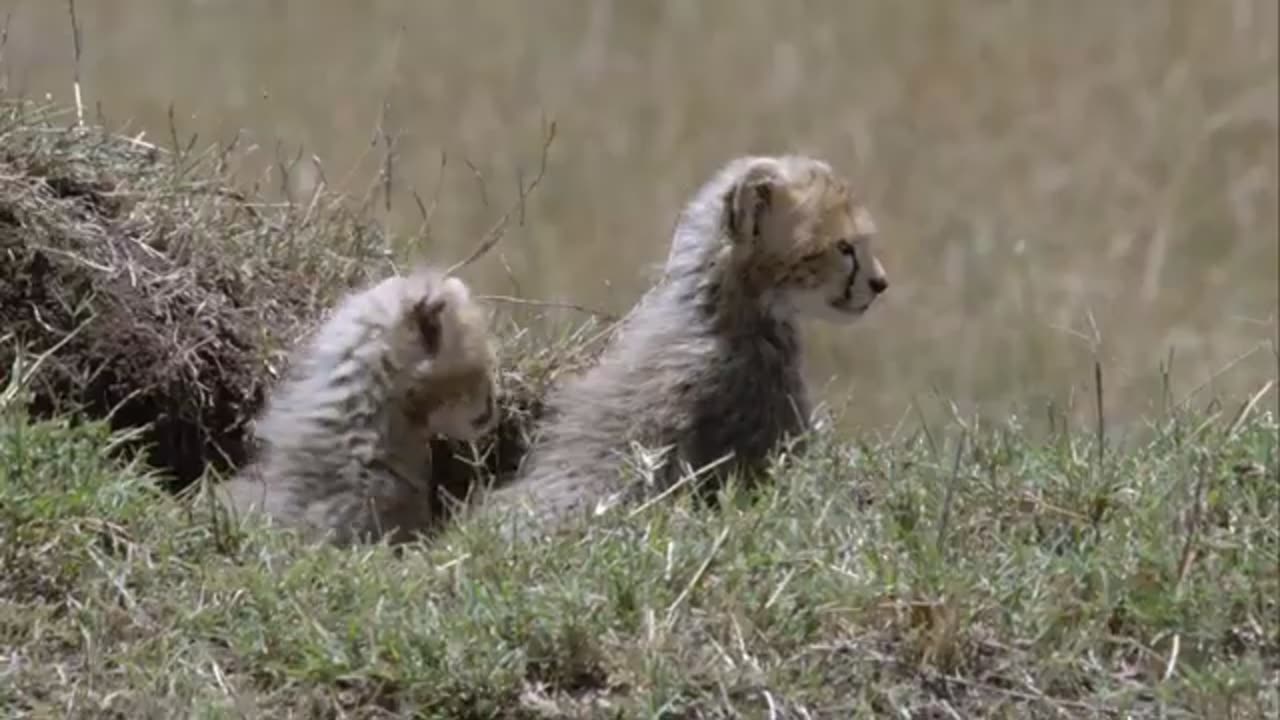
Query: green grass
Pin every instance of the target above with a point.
(1024, 579)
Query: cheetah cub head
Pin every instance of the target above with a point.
(452, 385)
(801, 239)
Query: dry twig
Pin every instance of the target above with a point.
(499, 228)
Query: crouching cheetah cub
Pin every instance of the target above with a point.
(708, 363)
(347, 434)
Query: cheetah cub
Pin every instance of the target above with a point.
(347, 434)
(708, 363)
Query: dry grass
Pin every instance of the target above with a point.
(171, 298)
(161, 296)
(1030, 163)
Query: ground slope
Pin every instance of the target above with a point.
(887, 580)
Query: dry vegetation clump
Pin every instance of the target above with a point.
(170, 296)
(170, 299)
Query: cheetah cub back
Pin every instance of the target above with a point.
(346, 435)
(708, 363)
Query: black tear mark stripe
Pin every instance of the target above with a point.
(852, 252)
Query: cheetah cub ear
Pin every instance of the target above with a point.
(751, 199)
(429, 312)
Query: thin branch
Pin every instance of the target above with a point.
(1245, 410)
(1188, 554)
(499, 228)
(924, 425)
(1213, 377)
(685, 479)
(697, 576)
(1102, 418)
(949, 496)
(1172, 663)
(20, 377)
(480, 183)
(547, 304)
(388, 159)
(429, 213)
(4, 42)
(75, 69)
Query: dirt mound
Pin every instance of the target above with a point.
(170, 300)
(175, 297)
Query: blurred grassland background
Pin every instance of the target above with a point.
(1030, 163)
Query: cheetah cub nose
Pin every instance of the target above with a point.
(878, 284)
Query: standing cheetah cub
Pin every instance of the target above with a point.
(346, 436)
(708, 363)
